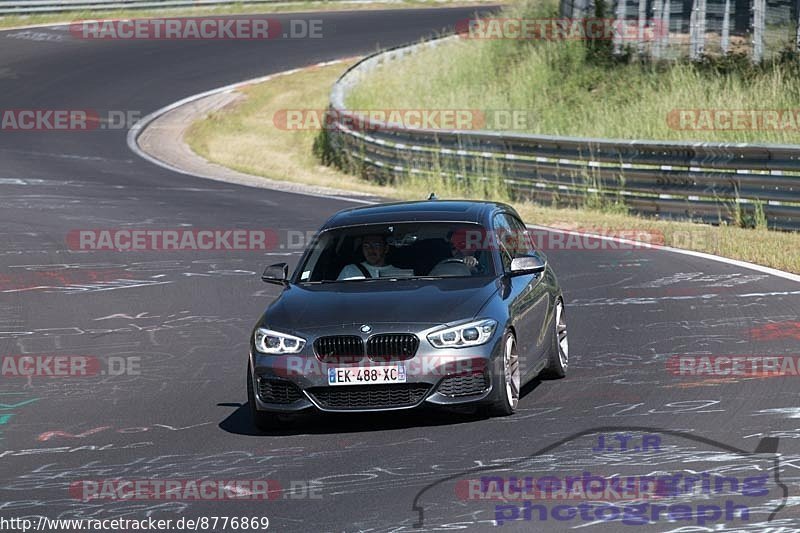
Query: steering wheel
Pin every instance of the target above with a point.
(469, 261)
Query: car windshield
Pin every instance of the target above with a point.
(399, 251)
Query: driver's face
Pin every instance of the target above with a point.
(374, 248)
(458, 246)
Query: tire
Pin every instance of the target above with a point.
(506, 380)
(558, 361)
(263, 421)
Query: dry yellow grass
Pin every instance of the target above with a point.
(243, 137)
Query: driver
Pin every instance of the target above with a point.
(374, 248)
(460, 250)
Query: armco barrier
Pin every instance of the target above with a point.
(711, 182)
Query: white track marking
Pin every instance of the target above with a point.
(701, 255)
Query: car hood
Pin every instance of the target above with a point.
(357, 302)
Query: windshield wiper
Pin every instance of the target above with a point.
(424, 277)
(387, 278)
(324, 281)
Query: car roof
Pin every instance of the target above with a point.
(418, 211)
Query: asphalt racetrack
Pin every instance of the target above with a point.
(183, 319)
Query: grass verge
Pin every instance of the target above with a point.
(244, 137)
(562, 89)
(14, 21)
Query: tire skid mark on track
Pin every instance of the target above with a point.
(652, 300)
(72, 278)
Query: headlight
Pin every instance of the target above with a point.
(471, 334)
(273, 342)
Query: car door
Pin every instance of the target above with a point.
(527, 297)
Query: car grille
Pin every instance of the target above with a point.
(339, 349)
(277, 391)
(369, 396)
(392, 346)
(464, 384)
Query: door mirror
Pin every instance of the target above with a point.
(277, 274)
(528, 264)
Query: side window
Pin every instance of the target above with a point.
(523, 245)
(512, 237)
(502, 236)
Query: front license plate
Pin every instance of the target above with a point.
(365, 375)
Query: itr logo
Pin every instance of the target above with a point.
(623, 443)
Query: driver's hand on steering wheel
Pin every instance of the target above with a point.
(470, 261)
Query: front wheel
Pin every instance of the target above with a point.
(559, 352)
(261, 420)
(507, 381)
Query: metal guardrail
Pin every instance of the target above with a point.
(28, 7)
(711, 182)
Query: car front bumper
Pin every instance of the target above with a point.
(444, 377)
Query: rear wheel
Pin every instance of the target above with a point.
(506, 380)
(559, 352)
(264, 421)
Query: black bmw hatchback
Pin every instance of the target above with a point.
(397, 305)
